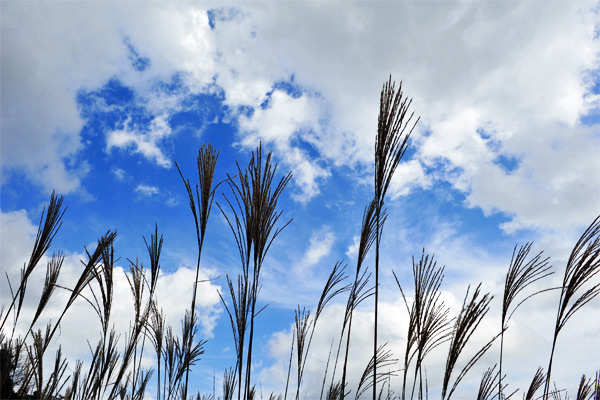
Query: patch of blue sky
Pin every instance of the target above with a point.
(246, 111)
(113, 93)
(198, 110)
(508, 163)
(211, 18)
(593, 83)
(484, 134)
(491, 143)
(289, 87)
(176, 85)
(302, 141)
(138, 62)
(446, 203)
(107, 108)
(221, 14)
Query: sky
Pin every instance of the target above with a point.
(99, 99)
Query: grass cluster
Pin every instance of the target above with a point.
(250, 208)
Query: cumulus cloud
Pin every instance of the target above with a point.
(528, 91)
(284, 122)
(408, 176)
(145, 143)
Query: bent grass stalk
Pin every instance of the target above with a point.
(582, 266)
(521, 273)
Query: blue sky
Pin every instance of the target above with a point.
(99, 100)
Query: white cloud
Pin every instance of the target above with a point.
(286, 120)
(529, 89)
(320, 244)
(118, 173)
(408, 176)
(147, 190)
(352, 251)
(144, 143)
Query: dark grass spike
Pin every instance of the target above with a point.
(170, 360)
(336, 392)
(155, 331)
(21, 294)
(536, 383)
(72, 391)
(188, 357)
(135, 279)
(429, 326)
(287, 381)
(200, 207)
(252, 393)
(130, 372)
(465, 325)
(228, 384)
(154, 249)
(105, 282)
(87, 275)
(302, 325)
(253, 224)
(357, 288)
(330, 290)
(556, 393)
(393, 132)
(52, 273)
(47, 230)
(521, 273)
(326, 369)
(384, 358)
(239, 320)
(585, 391)
(487, 384)
(358, 293)
(35, 356)
(582, 266)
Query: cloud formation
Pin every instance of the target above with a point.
(528, 94)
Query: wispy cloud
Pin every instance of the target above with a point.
(118, 173)
(320, 244)
(145, 143)
(147, 190)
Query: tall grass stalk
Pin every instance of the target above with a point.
(393, 130)
(47, 230)
(582, 266)
(303, 323)
(205, 193)
(466, 323)
(521, 273)
(428, 325)
(359, 291)
(253, 224)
